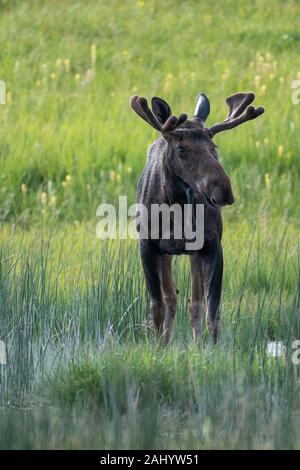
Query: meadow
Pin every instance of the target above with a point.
(83, 367)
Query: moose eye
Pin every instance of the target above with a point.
(181, 152)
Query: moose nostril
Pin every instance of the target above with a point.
(214, 201)
(229, 201)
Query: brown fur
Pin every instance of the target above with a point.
(182, 166)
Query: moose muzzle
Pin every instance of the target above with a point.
(220, 192)
(216, 187)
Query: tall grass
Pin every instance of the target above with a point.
(81, 347)
(84, 369)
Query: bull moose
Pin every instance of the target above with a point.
(183, 168)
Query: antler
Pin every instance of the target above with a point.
(237, 104)
(140, 106)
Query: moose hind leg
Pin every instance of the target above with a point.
(196, 300)
(152, 270)
(212, 269)
(169, 295)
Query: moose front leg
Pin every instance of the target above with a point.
(151, 262)
(196, 300)
(169, 295)
(212, 270)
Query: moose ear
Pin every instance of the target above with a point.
(202, 107)
(161, 109)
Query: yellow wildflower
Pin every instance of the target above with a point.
(280, 151)
(24, 188)
(43, 198)
(169, 76)
(268, 56)
(225, 74)
(8, 97)
(168, 83)
(67, 65)
(257, 80)
(207, 19)
(262, 90)
(53, 201)
(267, 180)
(93, 54)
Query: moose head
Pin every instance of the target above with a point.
(191, 153)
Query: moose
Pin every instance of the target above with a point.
(183, 168)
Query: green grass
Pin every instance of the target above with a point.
(84, 370)
(81, 350)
